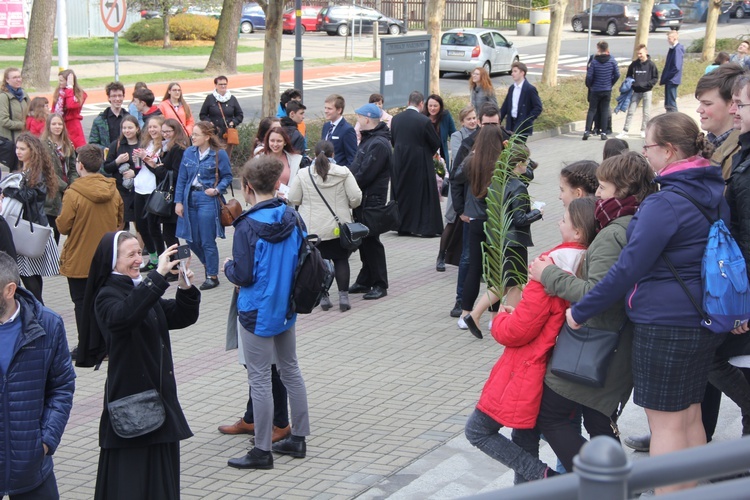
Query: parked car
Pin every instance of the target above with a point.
(462, 50)
(253, 18)
(338, 20)
(666, 15)
(612, 18)
(309, 19)
(740, 9)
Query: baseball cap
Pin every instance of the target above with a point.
(369, 110)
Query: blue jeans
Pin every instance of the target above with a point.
(483, 432)
(670, 97)
(203, 210)
(463, 264)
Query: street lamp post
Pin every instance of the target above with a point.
(298, 46)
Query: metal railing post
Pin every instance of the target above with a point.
(603, 468)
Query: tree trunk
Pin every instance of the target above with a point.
(272, 55)
(37, 59)
(165, 14)
(223, 58)
(435, 13)
(712, 22)
(557, 19)
(641, 33)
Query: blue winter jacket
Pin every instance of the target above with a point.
(602, 73)
(665, 223)
(191, 167)
(37, 395)
(264, 257)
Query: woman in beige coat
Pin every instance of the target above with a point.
(338, 186)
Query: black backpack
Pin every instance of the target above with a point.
(313, 276)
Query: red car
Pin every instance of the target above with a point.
(309, 19)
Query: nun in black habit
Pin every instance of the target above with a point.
(134, 321)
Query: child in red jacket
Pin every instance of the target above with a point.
(513, 392)
(37, 117)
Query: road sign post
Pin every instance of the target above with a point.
(113, 14)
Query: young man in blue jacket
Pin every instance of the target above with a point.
(36, 389)
(266, 245)
(601, 76)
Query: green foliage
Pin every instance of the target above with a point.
(181, 27)
(722, 44)
(145, 30)
(192, 27)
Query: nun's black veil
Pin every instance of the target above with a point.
(91, 346)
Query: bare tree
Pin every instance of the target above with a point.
(712, 21)
(435, 13)
(37, 59)
(557, 19)
(224, 54)
(272, 55)
(644, 24)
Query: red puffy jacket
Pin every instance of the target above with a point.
(513, 392)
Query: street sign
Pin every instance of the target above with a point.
(114, 13)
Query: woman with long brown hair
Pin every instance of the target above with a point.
(69, 99)
(480, 89)
(173, 105)
(38, 183)
(63, 155)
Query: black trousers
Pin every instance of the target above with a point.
(77, 288)
(599, 107)
(554, 422)
(374, 271)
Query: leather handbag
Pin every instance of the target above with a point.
(29, 238)
(139, 413)
(161, 201)
(232, 136)
(351, 234)
(380, 219)
(583, 355)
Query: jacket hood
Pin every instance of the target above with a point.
(602, 58)
(381, 129)
(95, 187)
(704, 183)
(271, 220)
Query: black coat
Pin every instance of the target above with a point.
(232, 112)
(414, 185)
(135, 323)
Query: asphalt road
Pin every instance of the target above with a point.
(357, 90)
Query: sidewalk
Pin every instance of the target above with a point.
(390, 382)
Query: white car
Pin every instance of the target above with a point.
(462, 50)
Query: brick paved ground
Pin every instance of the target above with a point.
(390, 382)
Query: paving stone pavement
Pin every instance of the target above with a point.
(390, 382)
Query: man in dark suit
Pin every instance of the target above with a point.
(522, 104)
(338, 131)
(414, 185)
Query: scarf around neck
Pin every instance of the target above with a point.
(17, 93)
(222, 98)
(613, 208)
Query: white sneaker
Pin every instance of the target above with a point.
(622, 135)
(643, 135)
(462, 324)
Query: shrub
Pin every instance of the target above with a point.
(146, 30)
(725, 44)
(192, 27)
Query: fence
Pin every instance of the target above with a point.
(603, 471)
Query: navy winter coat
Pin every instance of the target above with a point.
(602, 73)
(37, 395)
(665, 223)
